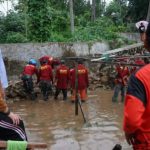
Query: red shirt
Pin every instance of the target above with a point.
(45, 72)
(62, 77)
(122, 76)
(30, 70)
(82, 77)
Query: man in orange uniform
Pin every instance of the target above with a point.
(45, 78)
(121, 82)
(62, 80)
(29, 70)
(137, 107)
(82, 83)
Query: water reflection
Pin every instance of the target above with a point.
(54, 122)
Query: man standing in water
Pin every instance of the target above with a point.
(62, 80)
(45, 78)
(82, 82)
(121, 82)
(28, 71)
(137, 106)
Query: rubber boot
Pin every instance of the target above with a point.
(45, 95)
(117, 147)
(45, 98)
(33, 96)
(122, 99)
(114, 99)
(65, 98)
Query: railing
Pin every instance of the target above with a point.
(133, 47)
(130, 49)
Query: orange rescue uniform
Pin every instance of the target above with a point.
(83, 81)
(62, 77)
(137, 109)
(45, 73)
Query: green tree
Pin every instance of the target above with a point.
(2, 28)
(71, 16)
(117, 10)
(59, 4)
(138, 9)
(12, 25)
(80, 7)
(39, 22)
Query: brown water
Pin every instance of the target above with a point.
(55, 123)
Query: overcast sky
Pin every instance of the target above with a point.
(4, 7)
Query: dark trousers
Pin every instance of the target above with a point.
(46, 88)
(9, 131)
(28, 86)
(119, 87)
(64, 91)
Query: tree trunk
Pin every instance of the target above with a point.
(148, 13)
(93, 10)
(71, 16)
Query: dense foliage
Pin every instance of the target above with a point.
(49, 20)
(138, 9)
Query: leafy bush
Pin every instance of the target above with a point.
(101, 29)
(13, 37)
(131, 27)
(57, 37)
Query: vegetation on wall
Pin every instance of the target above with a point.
(49, 20)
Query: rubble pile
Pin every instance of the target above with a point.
(102, 76)
(16, 90)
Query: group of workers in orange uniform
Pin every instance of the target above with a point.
(62, 78)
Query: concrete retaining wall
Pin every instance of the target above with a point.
(25, 51)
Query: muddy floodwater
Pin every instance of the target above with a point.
(54, 122)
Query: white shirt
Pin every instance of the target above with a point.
(3, 76)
